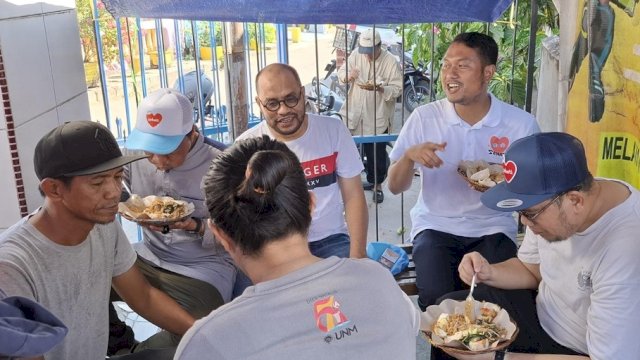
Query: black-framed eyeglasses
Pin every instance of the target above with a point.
(274, 105)
(531, 216)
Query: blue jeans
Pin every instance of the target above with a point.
(333, 245)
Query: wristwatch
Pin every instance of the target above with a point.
(198, 228)
(500, 354)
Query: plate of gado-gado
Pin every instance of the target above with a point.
(480, 174)
(155, 210)
(446, 327)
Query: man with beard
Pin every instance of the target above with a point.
(68, 253)
(329, 159)
(577, 269)
(470, 124)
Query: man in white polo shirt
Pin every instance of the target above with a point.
(470, 124)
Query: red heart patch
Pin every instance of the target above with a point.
(510, 169)
(499, 144)
(154, 119)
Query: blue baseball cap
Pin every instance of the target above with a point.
(27, 329)
(164, 118)
(537, 168)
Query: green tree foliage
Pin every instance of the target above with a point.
(429, 43)
(108, 32)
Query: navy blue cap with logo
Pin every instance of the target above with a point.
(537, 168)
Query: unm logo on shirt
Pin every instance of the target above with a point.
(498, 145)
(320, 172)
(331, 320)
(584, 280)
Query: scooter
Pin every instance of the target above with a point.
(331, 94)
(417, 83)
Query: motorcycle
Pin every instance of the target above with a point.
(416, 83)
(331, 94)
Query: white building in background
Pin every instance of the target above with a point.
(42, 85)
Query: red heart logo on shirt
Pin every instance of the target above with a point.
(154, 119)
(499, 144)
(510, 169)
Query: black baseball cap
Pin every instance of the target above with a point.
(78, 148)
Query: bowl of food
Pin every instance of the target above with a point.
(446, 327)
(155, 210)
(481, 175)
(369, 85)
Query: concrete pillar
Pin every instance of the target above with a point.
(42, 85)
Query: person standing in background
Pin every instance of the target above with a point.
(375, 82)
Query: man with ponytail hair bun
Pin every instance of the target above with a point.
(301, 306)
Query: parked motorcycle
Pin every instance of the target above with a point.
(331, 96)
(416, 82)
(417, 86)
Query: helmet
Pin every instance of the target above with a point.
(191, 87)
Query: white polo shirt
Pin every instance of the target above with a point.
(446, 202)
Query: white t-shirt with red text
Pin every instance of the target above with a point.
(326, 151)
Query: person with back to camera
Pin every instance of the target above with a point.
(182, 258)
(573, 290)
(329, 158)
(470, 124)
(301, 306)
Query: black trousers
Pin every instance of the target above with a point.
(377, 162)
(521, 306)
(437, 255)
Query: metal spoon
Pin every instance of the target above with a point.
(468, 306)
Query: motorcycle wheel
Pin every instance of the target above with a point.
(412, 99)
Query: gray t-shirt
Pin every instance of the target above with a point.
(335, 308)
(73, 282)
(180, 251)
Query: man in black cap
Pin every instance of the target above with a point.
(68, 253)
(573, 289)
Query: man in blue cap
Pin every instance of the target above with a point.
(573, 289)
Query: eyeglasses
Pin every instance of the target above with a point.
(531, 216)
(274, 105)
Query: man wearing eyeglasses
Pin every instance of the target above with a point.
(329, 158)
(580, 253)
